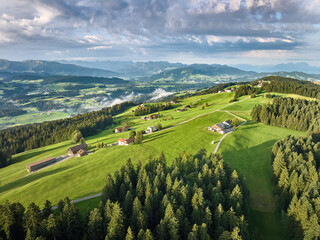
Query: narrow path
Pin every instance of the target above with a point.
(81, 199)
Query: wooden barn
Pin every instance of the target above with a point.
(74, 150)
(40, 164)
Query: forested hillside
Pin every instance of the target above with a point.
(198, 197)
(26, 137)
(297, 114)
(290, 85)
(296, 171)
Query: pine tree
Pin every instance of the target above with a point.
(95, 225)
(130, 235)
(115, 230)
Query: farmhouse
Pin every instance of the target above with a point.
(144, 118)
(151, 129)
(122, 129)
(123, 141)
(181, 109)
(40, 164)
(173, 102)
(82, 152)
(222, 127)
(74, 150)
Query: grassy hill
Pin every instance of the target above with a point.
(247, 149)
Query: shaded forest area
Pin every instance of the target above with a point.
(296, 162)
(297, 114)
(290, 85)
(198, 197)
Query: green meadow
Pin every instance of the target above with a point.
(247, 149)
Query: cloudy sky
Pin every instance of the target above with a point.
(211, 31)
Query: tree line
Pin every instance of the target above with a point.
(144, 110)
(296, 162)
(11, 112)
(297, 114)
(198, 197)
(21, 138)
(290, 85)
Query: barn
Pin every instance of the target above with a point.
(40, 164)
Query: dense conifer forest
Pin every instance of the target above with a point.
(297, 114)
(290, 85)
(152, 108)
(198, 197)
(296, 162)
(21, 138)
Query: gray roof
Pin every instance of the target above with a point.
(220, 125)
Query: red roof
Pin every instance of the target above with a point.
(119, 128)
(41, 161)
(129, 140)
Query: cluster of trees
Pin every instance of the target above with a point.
(11, 112)
(297, 114)
(198, 197)
(296, 162)
(290, 85)
(63, 223)
(20, 138)
(246, 89)
(140, 111)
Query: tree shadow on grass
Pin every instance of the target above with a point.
(30, 178)
(35, 153)
(152, 137)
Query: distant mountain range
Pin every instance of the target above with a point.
(158, 72)
(199, 73)
(8, 68)
(287, 67)
(129, 69)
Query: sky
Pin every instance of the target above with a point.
(189, 31)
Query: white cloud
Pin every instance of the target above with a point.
(99, 47)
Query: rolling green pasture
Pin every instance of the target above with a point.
(247, 149)
(85, 176)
